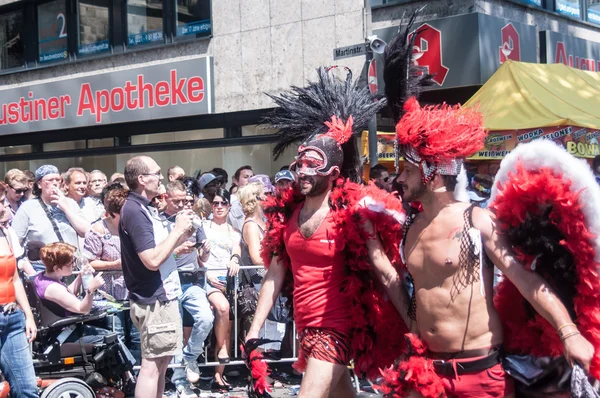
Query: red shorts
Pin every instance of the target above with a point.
(323, 344)
(490, 382)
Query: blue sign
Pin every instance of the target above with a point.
(593, 16)
(537, 3)
(568, 8)
(193, 28)
(152, 36)
(54, 55)
(94, 48)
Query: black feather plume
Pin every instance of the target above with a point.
(303, 111)
(403, 79)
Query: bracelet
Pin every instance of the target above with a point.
(564, 326)
(236, 256)
(571, 334)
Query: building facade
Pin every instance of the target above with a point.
(92, 82)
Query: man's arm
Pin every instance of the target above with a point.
(534, 289)
(271, 286)
(153, 258)
(387, 274)
(79, 223)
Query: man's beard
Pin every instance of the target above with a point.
(412, 195)
(319, 186)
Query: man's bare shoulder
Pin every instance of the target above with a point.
(484, 220)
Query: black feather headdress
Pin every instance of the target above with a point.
(303, 111)
(402, 77)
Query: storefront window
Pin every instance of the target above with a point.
(379, 3)
(193, 17)
(11, 40)
(94, 29)
(569, 8)
(144, 22)
(594, 11)
(52, 31)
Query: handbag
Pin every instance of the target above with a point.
(538, 376)
(281, 311)
(247, 300)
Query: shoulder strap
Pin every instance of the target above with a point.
(259, 227)
(52, 221)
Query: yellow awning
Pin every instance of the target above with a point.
(522, 95)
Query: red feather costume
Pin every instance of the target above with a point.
(326, 117)
(539, 176)
(376, 324)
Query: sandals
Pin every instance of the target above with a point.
(221, 388)
(224, 360)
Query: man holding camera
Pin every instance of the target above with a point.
(150, 272)
(193, 300)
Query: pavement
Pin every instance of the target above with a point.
(287, 384)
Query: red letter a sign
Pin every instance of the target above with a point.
(427, 52)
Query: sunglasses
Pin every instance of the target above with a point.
(184, 201)
(160, 197)
(218, 203)
(20, 191)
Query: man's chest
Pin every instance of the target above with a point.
(435, 251)
(309, 223)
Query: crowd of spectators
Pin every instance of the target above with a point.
(171, 250)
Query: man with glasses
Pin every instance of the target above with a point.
(18, 187)
(194, 299)
(97, 182)
(51, 216)
(150, 272)
(380, 176)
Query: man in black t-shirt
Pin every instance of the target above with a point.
(150, 273)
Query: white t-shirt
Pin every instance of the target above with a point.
(221, 247)
(31, 222)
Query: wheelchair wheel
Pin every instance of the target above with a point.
(68, 387)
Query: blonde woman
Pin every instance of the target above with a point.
(251, 197)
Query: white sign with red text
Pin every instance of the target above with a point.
(161, 91)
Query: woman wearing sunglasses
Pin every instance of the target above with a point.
(18, 185)
(224, 260)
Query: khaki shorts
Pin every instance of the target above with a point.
(160, 328)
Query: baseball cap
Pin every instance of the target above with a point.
(263, 179)
(284, 175)
(206, 179)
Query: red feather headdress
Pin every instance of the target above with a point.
(438, 138)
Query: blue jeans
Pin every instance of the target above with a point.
(195, 302)
(124, 327)
(15, 357)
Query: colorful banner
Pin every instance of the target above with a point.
(580, 142)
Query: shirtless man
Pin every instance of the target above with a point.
(453, 292)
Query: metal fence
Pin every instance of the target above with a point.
(236, 338)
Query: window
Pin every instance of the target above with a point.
(94, 28)
(193, 17)
(570, 8)
(594, 11)
(11, 40)
(144, 22)
(52, 31)
(537, 3)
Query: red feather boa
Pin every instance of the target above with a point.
(414, 373)
(376, 322)
(523, 193)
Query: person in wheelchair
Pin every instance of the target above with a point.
(59, 260)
